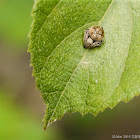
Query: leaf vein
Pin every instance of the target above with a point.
(125, 60)
(47, 16)
(61, 43)
(67, 84)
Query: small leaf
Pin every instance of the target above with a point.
(72, 78)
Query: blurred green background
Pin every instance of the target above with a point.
(21, 106)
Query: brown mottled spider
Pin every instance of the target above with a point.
(93, 37)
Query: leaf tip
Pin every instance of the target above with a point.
(45, 127)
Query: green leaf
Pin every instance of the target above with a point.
(72, 78)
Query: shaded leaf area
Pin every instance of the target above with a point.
(72, 78)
